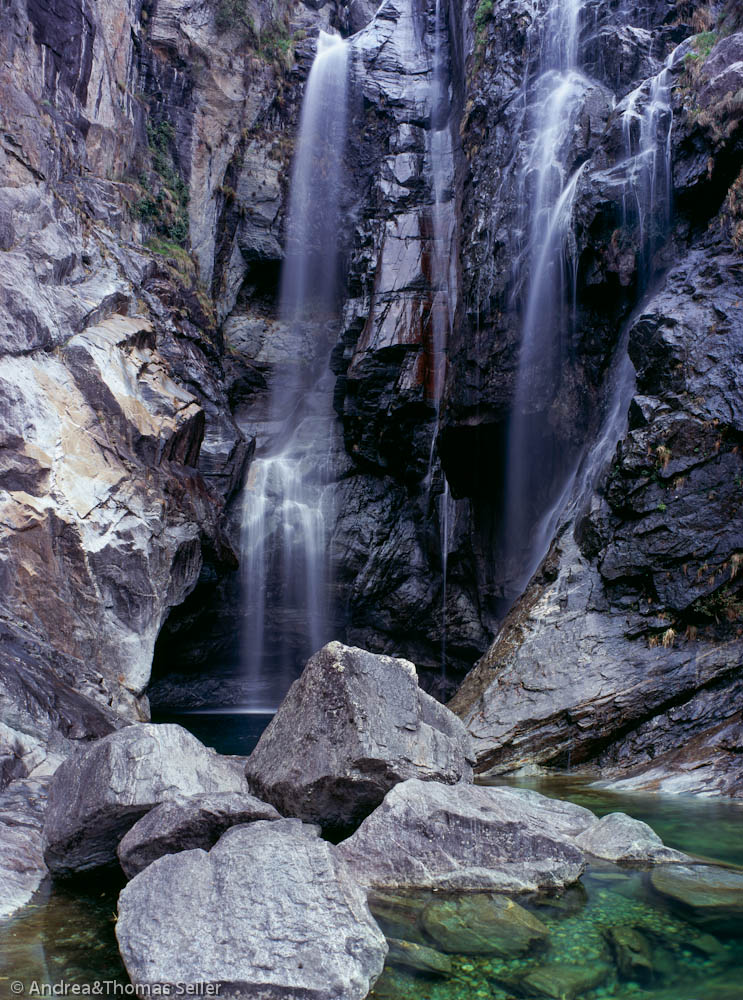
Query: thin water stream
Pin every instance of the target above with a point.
(288, 495)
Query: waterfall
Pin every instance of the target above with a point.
(441, 160)
(287, 500)
(648, 188)
(546, 461)
(539, 469)
(443, 271)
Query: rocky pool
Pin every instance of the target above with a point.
(620, 933)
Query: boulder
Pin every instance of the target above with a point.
(270, 912)
(185, 823)
(618, 837)
(429, 835)
(98, 794)
(352, 726)
(483, 924)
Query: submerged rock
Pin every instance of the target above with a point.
(715, 895)
(483, 924)
(631, 951)
(183, 824)
(429, 835)
(416, 956)
(100, 792)
(350, 728)
(618, 837)
(563, 982)
(271, 912)
(399, 915)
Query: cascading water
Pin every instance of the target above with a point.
(647, 136)
(287, 506)
(539, 467)
(545, 464)
(440, 155)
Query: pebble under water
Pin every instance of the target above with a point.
(610, 936)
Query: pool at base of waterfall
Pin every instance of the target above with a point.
(613, 935)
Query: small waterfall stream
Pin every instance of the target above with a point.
(538, 470)
(543, 463)
(440, 157)
(287, 506)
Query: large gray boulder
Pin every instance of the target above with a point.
(352, 726)
(270, 912)
(100, 792)
(618, 837)
(429, 835)
(185, 823)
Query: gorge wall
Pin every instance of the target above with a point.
(145, 157)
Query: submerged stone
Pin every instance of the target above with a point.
(399, 916)
(352, 726)
(631, 952)
(419, 957)
(713, 893)
(483, 924)
(563, 982)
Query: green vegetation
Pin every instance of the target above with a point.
(483, 14)
(164, 204)
(272, 43)
(233, 15)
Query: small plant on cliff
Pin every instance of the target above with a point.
(664, 455)
(164, 204)
(483, 16)
(233, 15)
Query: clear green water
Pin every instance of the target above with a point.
(68, 934)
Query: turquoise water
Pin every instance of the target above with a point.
(225, 732)
(612, 936)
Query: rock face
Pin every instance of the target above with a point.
(271, 911)
(350, 728)
(186, 823)
(100, 792)
(626, 645)
(22, 864)
(467, 837)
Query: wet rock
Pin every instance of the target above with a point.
(618, 837)
(271, 910)
(350, 728)
(631, 952)
(100, 792)
(483, 925)
(399, 915)
(182, 824)
(429, 835)
(713, 896)
(409, 955)
(563, 982)
(22, 866)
